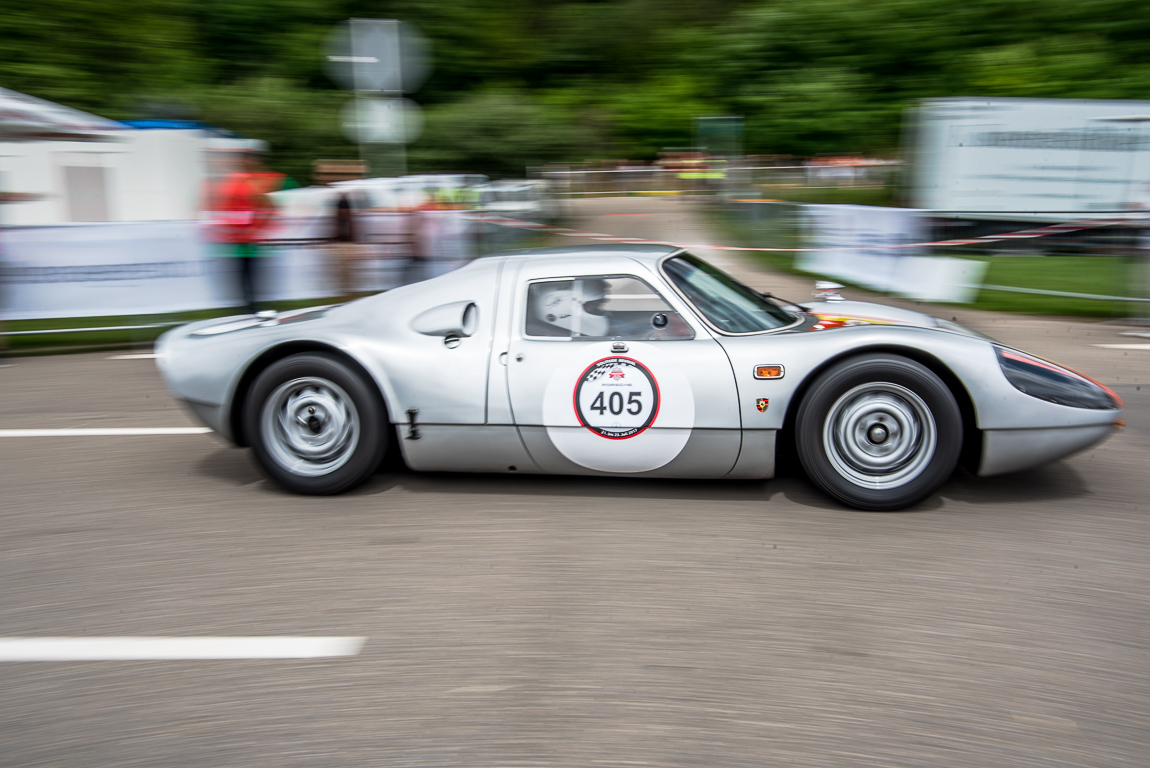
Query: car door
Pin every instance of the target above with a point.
(606, 375)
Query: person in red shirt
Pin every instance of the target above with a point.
(242, 217)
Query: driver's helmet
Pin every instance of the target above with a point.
(567, 307)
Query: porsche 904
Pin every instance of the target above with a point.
(637, 360)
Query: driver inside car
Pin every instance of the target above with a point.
(571, 307)
(595, 307)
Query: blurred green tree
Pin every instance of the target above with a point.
(525, 82)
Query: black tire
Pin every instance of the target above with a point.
(879, 432)
(315, 425)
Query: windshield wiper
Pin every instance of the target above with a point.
(769, 295)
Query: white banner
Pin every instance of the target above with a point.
(107, 269)
(852, 228)
(151, 268)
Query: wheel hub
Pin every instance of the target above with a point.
(880, 435)
(310, 426)
(877, 434)
(312, 420)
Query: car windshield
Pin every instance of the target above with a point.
(725, 302)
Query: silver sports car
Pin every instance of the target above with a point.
(638, 360)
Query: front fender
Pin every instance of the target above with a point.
(971, 361)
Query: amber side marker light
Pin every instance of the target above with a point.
(769, 372)
(1120, 423)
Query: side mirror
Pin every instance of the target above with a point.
(827, 291)
(458, 319)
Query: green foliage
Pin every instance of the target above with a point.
(498, 133)
(520, 83)
(300, 124)
(97, 56)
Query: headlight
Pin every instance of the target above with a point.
(1053, 383)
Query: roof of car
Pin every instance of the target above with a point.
(639, 251)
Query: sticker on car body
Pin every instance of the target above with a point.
(616, 398)
(619, 413)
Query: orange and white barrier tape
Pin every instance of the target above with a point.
(1052, 229)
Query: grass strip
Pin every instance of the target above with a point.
(85, 341)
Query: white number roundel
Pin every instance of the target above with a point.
(617, 398)
(613, 413)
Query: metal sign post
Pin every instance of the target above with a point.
(379, 60)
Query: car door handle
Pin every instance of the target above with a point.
(503, 358)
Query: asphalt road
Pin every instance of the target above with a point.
(529, 621)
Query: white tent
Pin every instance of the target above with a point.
(80, 168)
(26, 118)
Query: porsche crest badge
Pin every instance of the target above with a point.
(762, 403)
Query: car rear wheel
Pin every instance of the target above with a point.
(316, 427)
(879, 432)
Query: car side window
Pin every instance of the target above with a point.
(592, 308)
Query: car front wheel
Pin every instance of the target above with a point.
(316, 427)
(879, 432)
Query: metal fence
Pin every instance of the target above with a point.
(715, 178)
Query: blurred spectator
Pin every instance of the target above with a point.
(347, 243)
(346, 232)
(242, 217)
(423, 237)
(1141, 206)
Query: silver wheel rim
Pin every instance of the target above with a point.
(880, 435)
(310, 426)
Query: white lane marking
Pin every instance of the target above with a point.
(481, 688)
(1124, 346)
(106, 432)
(142, 356)
(174, 648)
